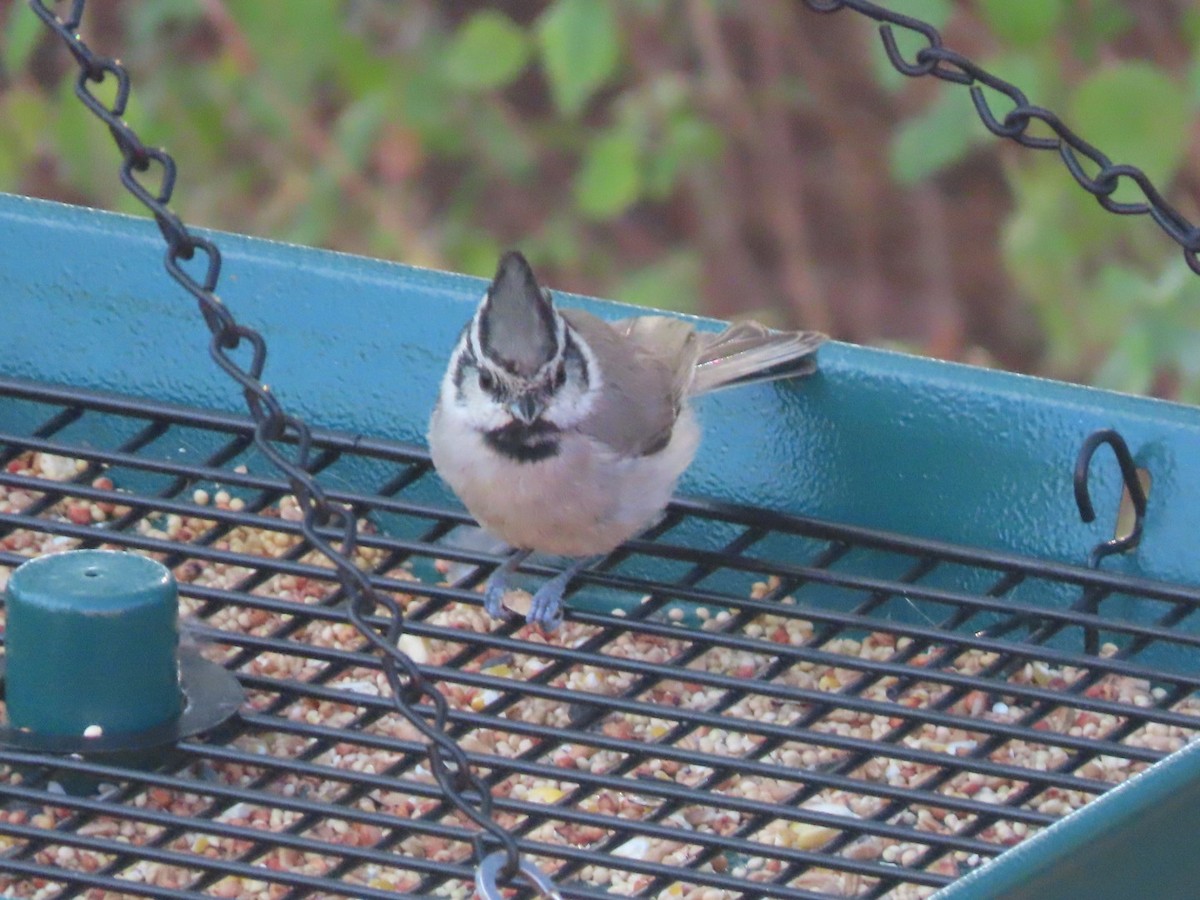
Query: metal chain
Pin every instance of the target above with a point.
(939, 61)
(273, 428)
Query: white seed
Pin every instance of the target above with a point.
(518, 601)
(57, 468)
(413, 646)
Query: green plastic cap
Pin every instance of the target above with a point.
(92, 643)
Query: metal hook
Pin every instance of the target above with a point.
(489, 869)
(1133, 485)
(1090, 599)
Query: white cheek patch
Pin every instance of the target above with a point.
(570, 404)
(574, 401)
(484, 414)
(469, 404)
(476, 409)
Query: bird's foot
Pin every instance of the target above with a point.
(497, 584)
(546, 610)
(493, 594)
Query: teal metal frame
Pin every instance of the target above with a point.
(878, 439)
(1138, 840)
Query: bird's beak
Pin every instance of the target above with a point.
(526, 408)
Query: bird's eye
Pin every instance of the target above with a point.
(560, 375)
(487, 381)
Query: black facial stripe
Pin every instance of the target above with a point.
(465, 361)
(572, 355)
(484, 328)
(466, 367)
(524, 443)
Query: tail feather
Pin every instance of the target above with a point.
(748, 352)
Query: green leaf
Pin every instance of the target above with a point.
(558, 242)
(1121, 289)
(1189, 25)
(26, 116)
(84, 145)
(1131, 365)
(502, 141)
(1134, 113)
(316, 212)
(1106, 20)
(426, 105)
(1022, 22)
(358, 126)
(147, 21)
(473, 251)
(609, 180)
(488, 51)
(280, 36)
(1036, 77)
(688, 141)
(580, 47)
(939, 137)
(363, 71)
(935, 12)
(1193, 81)
(1042, 256)
(672, 282)
(21, 35)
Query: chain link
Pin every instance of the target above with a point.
(1106, 176)
(149, 175)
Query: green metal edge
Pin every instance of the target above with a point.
(879, 439)
(1138, 840)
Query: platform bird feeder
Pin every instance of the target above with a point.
(911, 628)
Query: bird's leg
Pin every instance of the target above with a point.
(546, 609)
(497, 583)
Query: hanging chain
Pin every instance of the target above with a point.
(939, 61)
(149, 174)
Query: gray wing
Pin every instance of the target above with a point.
(674, 343)
(747, 352)
(743, 353)
(637, 408)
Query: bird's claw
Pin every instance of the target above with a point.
(493, 594)
(497, 584)
(546, 609)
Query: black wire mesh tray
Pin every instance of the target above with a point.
(740, 704)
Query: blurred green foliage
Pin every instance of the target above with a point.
(1116, 302)
(675, 153)
(302, 121)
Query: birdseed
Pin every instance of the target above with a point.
(751, 764)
